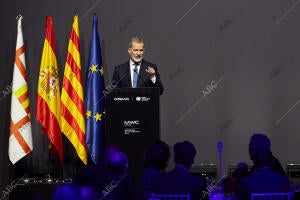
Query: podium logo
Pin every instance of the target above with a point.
(121, 99)
(142, 98)
(138, 98)
(130, 123)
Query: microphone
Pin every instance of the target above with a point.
(220, 146)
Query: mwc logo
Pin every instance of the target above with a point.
(130, 123)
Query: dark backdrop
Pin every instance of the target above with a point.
(230, 68)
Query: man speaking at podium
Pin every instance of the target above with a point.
(136, 72)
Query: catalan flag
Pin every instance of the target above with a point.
(95, 98)
(48, 111)
(20, 136)
(72, 101)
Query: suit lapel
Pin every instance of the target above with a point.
(127, 75)
(142, 75)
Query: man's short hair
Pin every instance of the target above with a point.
(118, 161)
(157, 155)
(184, 153)
(135, 39)
(109, 151)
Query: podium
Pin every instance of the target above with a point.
(132, 122)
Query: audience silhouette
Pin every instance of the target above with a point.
(110, 180)
(155, 160)
(260, 142)
(179, 180)
(266, 175)
(72, 191)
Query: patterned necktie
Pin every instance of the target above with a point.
(135, 76)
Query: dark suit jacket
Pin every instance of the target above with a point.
(179, 181)
(149, 178)
(121, 77)
(264, 180)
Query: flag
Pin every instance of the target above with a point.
(95, 98)
(20, 136)
(72, 101)
(48, 111)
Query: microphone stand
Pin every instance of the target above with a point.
(220, 146)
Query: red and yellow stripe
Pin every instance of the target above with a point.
(72, 103)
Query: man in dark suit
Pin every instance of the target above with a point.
(179, 180)
(136, 72)
(264, 179)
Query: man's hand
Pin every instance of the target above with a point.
(150, 71)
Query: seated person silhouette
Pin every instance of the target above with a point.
(155, 160)
(66, 191)
(241, 170)
(72, 191)
(230, 183)
(259, 142)
(229, 187)
(88, 193)
(179, 180)
(110, 180)
(263, 179)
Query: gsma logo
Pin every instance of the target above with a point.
(121, 99)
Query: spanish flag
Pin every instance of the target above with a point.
(72, 101)
(48, 111)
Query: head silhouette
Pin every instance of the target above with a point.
(157, 155)
(184, 153)
(258, 142)
(117, 161)
(66, 192)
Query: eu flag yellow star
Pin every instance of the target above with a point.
(93, 68)
(101, 71)
(88, 113)
(97, 117)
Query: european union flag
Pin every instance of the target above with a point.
(95, 98)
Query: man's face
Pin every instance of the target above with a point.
(136, 51)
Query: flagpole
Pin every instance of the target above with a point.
(49, 163)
